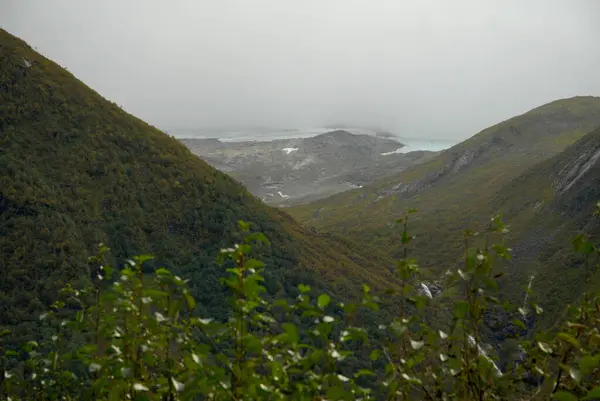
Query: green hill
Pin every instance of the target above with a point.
(539, 170)
(76, 170)
(548, 205)
(454, 189)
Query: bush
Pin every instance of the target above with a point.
(134, 334)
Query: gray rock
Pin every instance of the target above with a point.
(291, 171)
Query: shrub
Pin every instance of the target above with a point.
(134, 334)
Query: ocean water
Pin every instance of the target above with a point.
(434, 145)
(269, 134)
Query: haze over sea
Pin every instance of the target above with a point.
(268, 134)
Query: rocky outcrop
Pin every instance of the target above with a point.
(455, 162)
(575, 169)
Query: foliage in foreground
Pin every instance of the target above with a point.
(133, 335)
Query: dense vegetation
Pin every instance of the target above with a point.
(133, 337)
(76, 170)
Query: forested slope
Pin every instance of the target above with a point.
(76, 170)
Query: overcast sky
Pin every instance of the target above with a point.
(441, 69)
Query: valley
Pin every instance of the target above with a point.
(139, 265)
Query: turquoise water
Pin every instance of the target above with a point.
(434, 145)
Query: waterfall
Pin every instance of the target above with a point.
(426, 291)
(527, 292)
(481, 351)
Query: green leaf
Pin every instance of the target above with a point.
(564, 396)
(292, 332)
(519, 323)
(253, 344)
(323, 301)
(587, 364)
(255, 264)
(588, 248)
(161, 271)
(316, 356)
(155, 294)
(143, 258)
(375, 355)
(243, 225)
(338, 393)
(364, 372)
(189, 299)
(593, 393)
(303, 288)
(460, 309)
(569, 339)
(371, 305)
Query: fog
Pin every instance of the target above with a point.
(442, 69)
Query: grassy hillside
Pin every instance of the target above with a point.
(548, 205)
(541, 171)
(454, 190)
(76, 170)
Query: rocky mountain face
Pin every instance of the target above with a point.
(292, 171)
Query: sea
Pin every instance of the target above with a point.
(269, 134)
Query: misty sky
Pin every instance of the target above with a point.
(443, 69)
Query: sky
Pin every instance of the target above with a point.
(441, 69)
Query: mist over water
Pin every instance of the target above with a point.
(433, 145)
(268, 134)
(426, 69)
